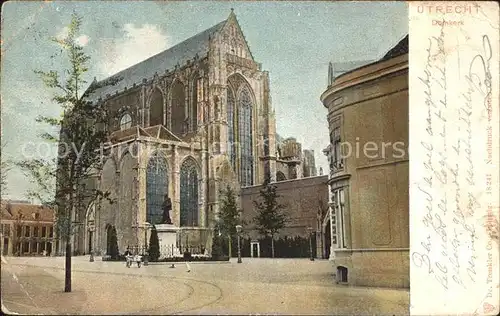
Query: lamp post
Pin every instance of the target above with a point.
(310, 230)
(90, 237)
(145, 254)
(238, 230)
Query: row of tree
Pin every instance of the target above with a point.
(269, 220)
(284, 247)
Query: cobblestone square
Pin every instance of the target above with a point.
(256, 286)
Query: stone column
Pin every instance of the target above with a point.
(203, 191)
(332, 214)
(176, 197)
(298, 168)
(141, 216)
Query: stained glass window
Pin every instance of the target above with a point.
(156, 188)
(189, 193)
(245, 135)
(230, 128)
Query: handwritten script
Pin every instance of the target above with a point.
(450, 186)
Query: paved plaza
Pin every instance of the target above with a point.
(256, 286)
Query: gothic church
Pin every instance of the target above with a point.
(186, 122)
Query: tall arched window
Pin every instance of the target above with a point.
(156, 108)
(178, 108)
(189, 193)
(125, 122)
(230, 128)
(245, 137)
(156, 188)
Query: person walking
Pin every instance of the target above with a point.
(128, 257)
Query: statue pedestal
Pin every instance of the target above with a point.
(167, 236)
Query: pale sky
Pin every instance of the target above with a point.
(294, 41)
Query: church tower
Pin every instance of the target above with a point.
(243, 125)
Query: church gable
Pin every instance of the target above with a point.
(234, 40)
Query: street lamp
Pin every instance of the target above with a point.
(238, 230)
(145, 253)
(310, 230)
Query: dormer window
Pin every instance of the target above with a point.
(125, 122)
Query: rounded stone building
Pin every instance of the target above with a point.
(369, 211)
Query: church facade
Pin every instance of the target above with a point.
(186, 122)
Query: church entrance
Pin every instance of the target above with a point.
(109, 229)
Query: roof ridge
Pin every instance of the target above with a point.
(165, 50)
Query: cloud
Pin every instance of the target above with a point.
(137, 44)
(81, 40)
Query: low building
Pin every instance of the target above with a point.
(369, 170)
(26, 229)
(306, 203)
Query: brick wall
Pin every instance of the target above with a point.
(302, 200)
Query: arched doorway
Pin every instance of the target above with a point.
(90, 228)
(109, 230)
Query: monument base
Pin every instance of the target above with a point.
(167, 236)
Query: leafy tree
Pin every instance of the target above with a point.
(270, 218)
(154, 245)
(216, 245)
(79, 132)
(113, 247)
(229, 215)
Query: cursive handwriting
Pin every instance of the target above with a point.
(434, 81)
(446, 183)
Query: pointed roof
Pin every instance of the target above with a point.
(401, 48)
(232, 16)
(195, 46)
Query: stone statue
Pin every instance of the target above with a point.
(167, 207)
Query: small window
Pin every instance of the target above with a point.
(35, 231)
(44, 231)
(125, 122)
(26, 231)
(342, 274)
(51, 232)
(6, 230)
(19, 231)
